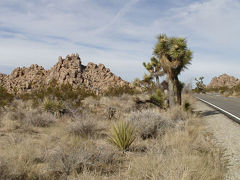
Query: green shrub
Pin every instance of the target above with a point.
(5, 97)
(122, 135)
(218, 89)
(64, 92)
(120, 90)
(221, 91)
(157, 98)
(53, 106)
(186, 106)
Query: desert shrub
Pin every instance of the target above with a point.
(5, 97)
(84, 128)
(176, 114)
(4, 169)
(30, 160)
(218, 89)
(237, 88)
(110, 112)
(180, 155)
(53, 106)
(20, 119)
(149, 123)
(186, 106)
(66, 160)
(221, 91)
(15, 115)
(116, 106)
(37, 119)
(20, 161)
(157, 98)
(122, 135)
(120, 90)
(64, 92)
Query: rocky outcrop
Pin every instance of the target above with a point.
(25, 79)
(70, 70)
(223, 81)
(100, 77)
(2, 78)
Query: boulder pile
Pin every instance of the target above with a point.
(223, 81)
(70, 70)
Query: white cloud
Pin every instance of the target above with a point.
(40, 31)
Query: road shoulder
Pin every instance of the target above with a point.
(226, 133)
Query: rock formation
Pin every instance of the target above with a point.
(69, 70)
(223, 81)
(2, 78)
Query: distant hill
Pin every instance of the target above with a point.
(224, 80)
(70, 70)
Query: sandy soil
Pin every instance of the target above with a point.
(226, 133)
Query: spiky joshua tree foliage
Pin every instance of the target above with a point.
(174, 56)
(155, 69)
(200, 86)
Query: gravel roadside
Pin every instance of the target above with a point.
(226, 133)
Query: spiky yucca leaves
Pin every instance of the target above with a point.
(122, 135)
(174, 57)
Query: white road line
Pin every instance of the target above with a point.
(230, 114)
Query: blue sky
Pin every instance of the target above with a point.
(120, 33)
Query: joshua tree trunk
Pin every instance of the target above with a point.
(157, 81)
(171, 92)
(179, 91)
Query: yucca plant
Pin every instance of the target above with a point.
(122, 135)
(52, 106)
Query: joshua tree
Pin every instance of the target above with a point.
(174, 57)
(200, 86)
(147, 82)
(155, 69)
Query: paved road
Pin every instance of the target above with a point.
(229, 104)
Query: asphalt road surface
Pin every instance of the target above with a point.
(228, 105)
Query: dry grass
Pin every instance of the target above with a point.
(111, 107)
(84, 126)
(171, 144)
(64, 161)
(182, 154)
(25, 120)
